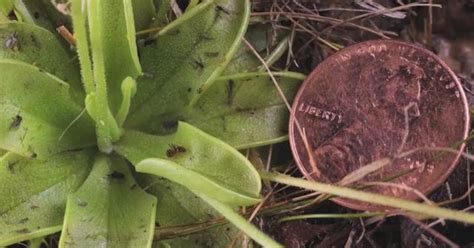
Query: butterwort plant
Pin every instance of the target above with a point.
(116, 133)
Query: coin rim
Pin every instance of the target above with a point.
(360, 205)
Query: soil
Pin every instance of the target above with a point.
(450, 35)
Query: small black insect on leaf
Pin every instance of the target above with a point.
(174, 32)
(11, 166)
(149, 41)
(12, 42)
(82, 204)
(16, 122)
(211, 54)
(170, 125)
(23, 231)
(116, 175)
(207, 37)
(198, 64)
(174, 150)
(222, 9)
(35, 41)
(23, 221)
(230, 91)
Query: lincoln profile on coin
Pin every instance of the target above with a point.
(395, 96)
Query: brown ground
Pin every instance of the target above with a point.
(317, 26)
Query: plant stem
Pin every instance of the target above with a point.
(107, 127)
(394, 202)
(330, 216)
(241, 223)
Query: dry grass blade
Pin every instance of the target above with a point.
(381, 12)
(435, 234)
(372, 198)
(362, 172)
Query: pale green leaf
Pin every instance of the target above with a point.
(34, 193)
(38, 117)
(216, 196)
(188, 55)
(209, 192)
(178, 206)
(242, 223)
(112, 35)
(197, 151)
(194, 181)
(39, 47)
(109, 209)
(246, 110)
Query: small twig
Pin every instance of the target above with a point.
(435, 233)
(468, 172)
(350, 239)
(67, 35)
(407, 127)
(381, 12)
(269, 158)
(462, 197)
(362, 234)
(71, 124)
(429, 39)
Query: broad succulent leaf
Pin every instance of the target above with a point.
(244, 59)
(195, 151)
(188, 55)
(201, 153)
(194, 181)
(34, 193)
(39, 47)
(207, 191)
(246, 109)
(178, 206)
(38, 117)
(109, 209)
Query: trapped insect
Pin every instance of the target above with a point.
(174, 150)
(12, 42)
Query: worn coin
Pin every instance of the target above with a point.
(377, 100)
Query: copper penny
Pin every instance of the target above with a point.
(355, 107)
